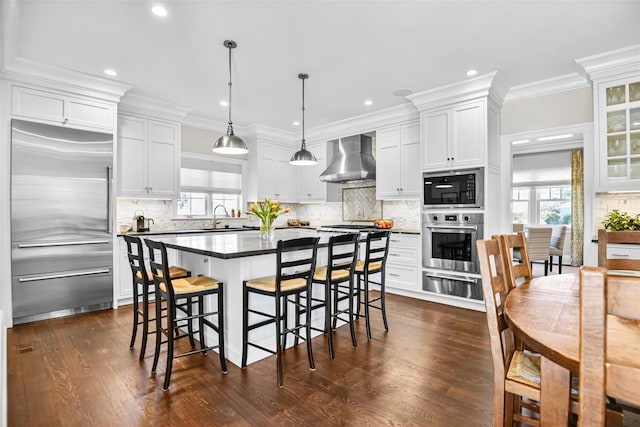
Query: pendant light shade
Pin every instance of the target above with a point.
(230, 143)
(303, 157)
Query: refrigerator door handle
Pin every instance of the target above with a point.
(71, 243)
(62, 276)
(109, 230)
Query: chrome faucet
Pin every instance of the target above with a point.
(215, 222)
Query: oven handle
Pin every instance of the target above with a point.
(454, 227)
(451, 277)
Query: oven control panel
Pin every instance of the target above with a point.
(453, 218)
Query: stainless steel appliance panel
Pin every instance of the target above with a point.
(450, 284)
(35, 295)
(61, 224)
(453, 189)
(45, 257)
(449, 241)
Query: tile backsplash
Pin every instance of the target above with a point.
(624, 202)
(404, 213)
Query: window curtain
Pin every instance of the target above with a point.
(577, 207)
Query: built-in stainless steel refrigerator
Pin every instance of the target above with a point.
(61, 225)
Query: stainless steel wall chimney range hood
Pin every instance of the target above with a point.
(353, 161)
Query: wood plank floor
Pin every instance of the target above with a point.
(432, 368)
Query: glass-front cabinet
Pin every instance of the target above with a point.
(619, 133)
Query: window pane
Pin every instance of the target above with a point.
(229, 201)
(555, 212)
(192, 204)
(520, 212)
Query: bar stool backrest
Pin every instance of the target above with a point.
(135, 254)
(159, 266)
(342, 253)
(377, 249)
(296, 259)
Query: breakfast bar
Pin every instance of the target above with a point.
(232, 258)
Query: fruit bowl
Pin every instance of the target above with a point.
(383, 223)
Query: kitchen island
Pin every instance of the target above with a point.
(232, 258)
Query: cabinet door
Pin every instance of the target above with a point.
(163, 159)
(267, 167)
(469, 136)
(132, 156)
(284, 175)
(308, 184)
(436, 140)
(37, 104)
(410, 171)
(125, 280)
(90, 114)
(619, 134)
(388, 160)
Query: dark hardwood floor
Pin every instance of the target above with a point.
(433, 367)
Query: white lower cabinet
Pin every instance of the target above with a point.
(124, 278)
(402, 263)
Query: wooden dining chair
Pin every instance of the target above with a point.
(622, 261)
(514, 246)
(516, 374)
(609, 343)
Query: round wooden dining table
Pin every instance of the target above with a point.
(544, 313)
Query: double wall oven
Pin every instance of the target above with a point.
(452, 221)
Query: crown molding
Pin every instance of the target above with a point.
(208, 124)
(613, 64)
(485, 86)
(139, 105)
(546, 87)
(364, 123)
(48, 76)
(261, 132)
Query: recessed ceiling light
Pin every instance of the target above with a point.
(159, 10)
(224, 103)
(553, 137)
(110, 72)
(472, 72)
(368, 102)
(296, 123)
(520, 141)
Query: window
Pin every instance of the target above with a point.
(205, 184)
(542, 188)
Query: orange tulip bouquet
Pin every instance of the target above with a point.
(267, 210)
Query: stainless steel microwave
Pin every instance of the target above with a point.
(454, 189)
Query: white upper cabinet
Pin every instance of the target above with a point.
(618, 113)
(148, 157)
(63, 110)
(398, 162)
(455, 137)
(275, 174)
(309, 188)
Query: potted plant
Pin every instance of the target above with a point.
(621, 221)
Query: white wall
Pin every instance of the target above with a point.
(549, 111)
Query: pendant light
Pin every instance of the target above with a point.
(230, 143)
(303, 157)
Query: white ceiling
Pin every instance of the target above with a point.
(352, 50)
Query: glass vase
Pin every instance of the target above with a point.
(266, 231)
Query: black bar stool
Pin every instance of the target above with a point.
(143, 287)
(296, 261)
(191, 288)
(340, 268)
(375, 260)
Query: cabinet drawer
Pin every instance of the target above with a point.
(402, 276)
(623, 251)
(409, 241)
(403, 256)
